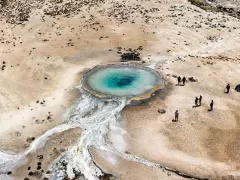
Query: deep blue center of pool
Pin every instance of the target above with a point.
(118, 81)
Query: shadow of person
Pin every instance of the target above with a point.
(195, 106)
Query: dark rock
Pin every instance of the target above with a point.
(40, 156)
(106, 176)
(48, 172)
(191, 79)
(237, 88)
(37, 174)
(30, 139)
(162, 111)
(129, 56)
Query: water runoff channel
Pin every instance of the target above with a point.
(106, 90)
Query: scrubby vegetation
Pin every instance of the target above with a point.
(215, 6)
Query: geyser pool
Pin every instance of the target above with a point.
(96, 117)
(121, 80)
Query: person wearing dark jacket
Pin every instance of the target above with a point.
(200, 100)
(211, 105)
(196, 101)
(228, 88)
(179, 80)
(176, 115)
(184, 80)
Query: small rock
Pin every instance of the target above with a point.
(40, 156)
(237, 88)
(48, 172)
(191, 79)
(162, 111)
(30, 139)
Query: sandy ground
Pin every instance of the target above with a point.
(202, 143)
(123, 169)
(51, 151)
(44, 61)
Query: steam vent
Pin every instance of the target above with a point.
(133, 82)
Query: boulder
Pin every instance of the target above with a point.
(191, 79)
(162, 111)
(237, 88)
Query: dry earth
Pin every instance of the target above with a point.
(45, 48)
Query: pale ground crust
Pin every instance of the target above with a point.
(202, 143)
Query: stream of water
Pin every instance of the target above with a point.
(95, 117)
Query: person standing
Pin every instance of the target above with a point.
(200, 100)
(196, 101)
(184, 80)
(211, 105)
(176, 115)
(228, 88)
(179, 80)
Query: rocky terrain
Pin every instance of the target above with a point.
(231, 7)
(46, 46)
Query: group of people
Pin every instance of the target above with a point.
(198, 101)
(183, 80)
